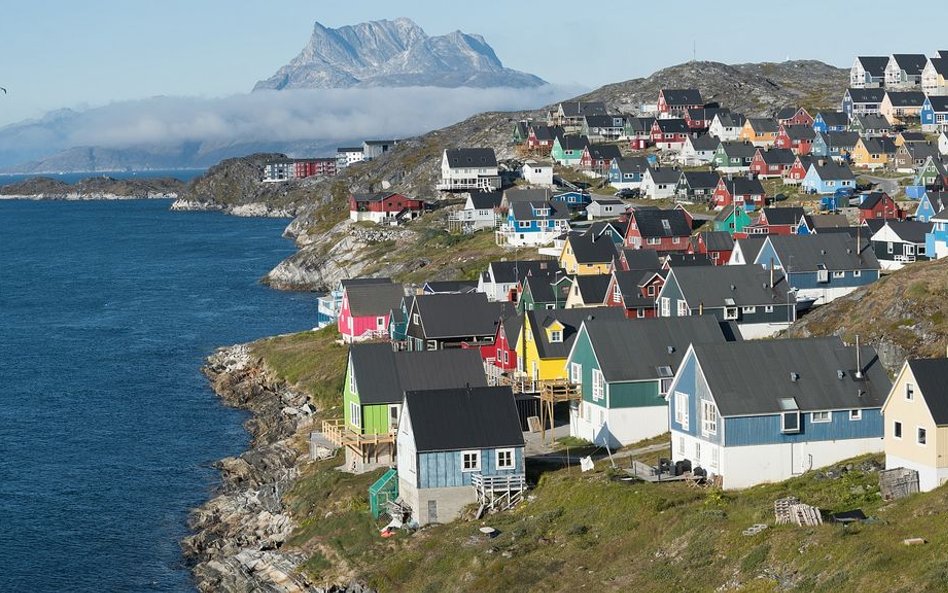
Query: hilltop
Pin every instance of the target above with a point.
(904, 315)
(93, 188)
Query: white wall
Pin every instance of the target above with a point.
(929, 477)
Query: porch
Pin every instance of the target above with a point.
(498, 493)
(368, 447)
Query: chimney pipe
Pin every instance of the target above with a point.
(771, 272)
(858, 360)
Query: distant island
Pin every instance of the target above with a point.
(93, 188)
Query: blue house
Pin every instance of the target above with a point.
(574, 200)
(835, 145)
(821, 267)
(456, 447)
(932, 203)
(934, 114)
(830, 121)
(626, 173)
(862, 101)
(767, 410)
(827, 178)
(936, 242)
(533, 223)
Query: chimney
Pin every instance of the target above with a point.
(858, 360)
(771, 272)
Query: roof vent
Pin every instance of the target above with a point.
(849, 250)
(822, 252)
(840, 374)
(794, 377)
(733, 287)
(671, 349)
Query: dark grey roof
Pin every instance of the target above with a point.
(545, 132)
(357, 281)
(548, 288)
(785, 113)
(673, 126)
(910, 231)
(457, 315)
(913, 64)
(592, 288)
(832, 170)
(632, 164)
(640, 124)
(731, 120)
(630, 285)
(642, 259)
(931, 376)
(484, 200)
(526, 210)
(938, 199)
(800, 132)
(450, 286)
(787, 215)
(681, 97)
(909, 136)
(941, 65)
(471, 157)
(664, 175)
(636, 350)
(700, 179)
(833, 118)
(607, 227)
(650, 223)
(603, 120)
(778, 156)
(581, 108)
(687, 260)
(873, 121)
(349, 149)
(840, 139)
(906, 98)
(464, 418)
(571, 320)
(834, 251)
(742, 186)
(373, 298)
(879, 145)
(511, 271)
(527, 195)
(738, 149)
(874, 65)
(590, 249)
(762, 124)
(719, 286)
(604, 151)
(742, 389)
(871, 95)
(827, 221)
(383, 376)
(918, 150)
(750, 247)
(718, 240)
(704, 142)
(872, 199)
(706, 113)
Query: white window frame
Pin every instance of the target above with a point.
(640, 313)
(681, 410)
(749, 310)
(783, 421)
(730, 313)
(576, 372)
(355, 414)
(683, 308)
(598, 385)
(855, 415)
(715, 458)
(909, 392)
(666, 306)
(839, 274)
(769, 309)
(475, 457)
(416, 319)
(821, 417)
(681, 446)
(510, 463)
(921, 436)
(709, 418)
(556, 336)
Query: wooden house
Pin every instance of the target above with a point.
(868, 72)
(537, 173)
(638, 131)
(568, 150)
(605, 207)
(660, 182)
(898, 242)
(699, 120)
(544, 291)
(481, 210)
(870, 126)
(570, 114)
(365, 310)
(836, 145)
(911, 156)
(745, 193)
(936, 242)
(624, 369)
(879, 205)
(771, 163)
(434, 323)
(830, 121)
(797, 139)
(669, 134)
(456, 447)
(733, 157)
(533, 223)
(902, 107)
(696, 186)
(862, 101)
(794, 116)
(797, 171)
(635, 291)
(732, 220)
(698, 150)
(465, 169)
(904, 71)
(761, 132)
(376, 381)
(727, 127)
(776, 221)
(627, 172)
(587, 254)
(916, 421)
(933, 175)
(602, 128)
(872, 153)
(931, 203)
(675, 102)
(540, 138)
(384, 207)
(597, 158)
(588, 291)
(501, 356)
(934, 114)
(935, 76)
(717, 245)
(826, 177)
(661, 230)
(500, 278)
(801, 405)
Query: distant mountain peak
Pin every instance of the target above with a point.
(394, 53)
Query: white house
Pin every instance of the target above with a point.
(698, 150)
(539, 173)
(943, 143)
(480, 210)
(727, 127)
(348, 155)
(935, 77)
(868, 72)
(501, 277)
(660, 183)
(605, 207)
(469, 168)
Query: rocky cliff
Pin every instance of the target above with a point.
(394, 53)
(93, 188)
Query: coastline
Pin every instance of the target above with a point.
(80, 197)
(237, 535)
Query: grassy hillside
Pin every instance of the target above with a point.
(590, 532)
(904, 315)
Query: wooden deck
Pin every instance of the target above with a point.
(337, 432)
(554, 392)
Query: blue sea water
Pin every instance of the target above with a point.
(107, 428)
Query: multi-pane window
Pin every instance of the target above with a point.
(470, 461)
(821, 417)
(709, 418)
(909, 391)
(681, 409)
(598, 384)
(355, 414)
(505, 459)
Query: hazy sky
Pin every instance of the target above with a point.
(69, 53)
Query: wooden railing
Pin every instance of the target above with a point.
(339, 433)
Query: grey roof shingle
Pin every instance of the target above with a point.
(873, 121)
(763, 125)
(635, 350)
(704, 142)
(486, 200)
(742, 389)
(673, 126)
(664, 175)
(733, 150)
(785, 215)
(718, 240)
(778, 156)
(874, 65)
(604, 152)
(913, 64)
(592, 288)
(650, 223)
(910, 231)
(471, 157)
(441, 318)
(373, 298)
(931, 376)
(464, 418)
(906, 98)
(833, 251)
(873, 95)
(632, 164)
(508, 272)
(833, 170)
(719, 286)
(700, 179)
(590, 249)
(833, 118)
(642, 259)
(571, 320)
(581, 108)
(528, 210)
(800, 132)
(383, 375)
(682, 97)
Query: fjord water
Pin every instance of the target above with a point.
(107, 428)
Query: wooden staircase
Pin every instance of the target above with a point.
(498, 493)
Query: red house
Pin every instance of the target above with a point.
(878, 205)
(540, 137)
(717, 245)
(795, 174)
(776, 221)
(635, 291)
(384, 207)
(365, 310)
(747, 193)
(771, 163)
(598, 157)
(799, 117)
(700, 119)
(669, 134)
(502, 354)
(325, 167)
(665, 231)
(798, 139)
(678, 101)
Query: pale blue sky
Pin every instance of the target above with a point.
(69, 53)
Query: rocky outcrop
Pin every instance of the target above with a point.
(238, 535)
(93, 188)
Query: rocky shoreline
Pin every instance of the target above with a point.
(238, 535)
(251, 210)
(77, 197)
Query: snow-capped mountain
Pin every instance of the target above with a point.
(394, 53)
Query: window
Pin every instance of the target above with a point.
(683, 308)
(505, 459)
(730, 313)
(524, 224)
(556, 336)
(681, 446)
(393, 416)
(353, 388)
(855, 415)
(709, 418)
(909, 392)
(355, 414)
(839, 274)
(921, 436)
(681, 409)
(416, 319)
(640, 313)
(616, 294)
(769, 309)
(897, 429)
(654, 241)
(470, 461)
(380, 322)
(790, 421)
(748, 309)
(676, 240)
(598, 390)
(666, 307)
(822, 274)
(697, 452)
(650, 291)
(664, 385)
(715, 457)
(576, 372)
(821, 417)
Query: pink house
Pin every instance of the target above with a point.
(365, 310)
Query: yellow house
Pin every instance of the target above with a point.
(588, 254)
(916, 421)
(549, 337)
(872, 153)
(759, 132)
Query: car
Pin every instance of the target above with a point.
(843, 192)
(628, 193)
(780, 197)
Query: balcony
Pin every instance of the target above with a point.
(341, 434)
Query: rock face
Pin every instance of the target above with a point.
(394, 54)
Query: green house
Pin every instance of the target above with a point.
(568, 150)
(544, 292)
(624, 369)
(377, 378)
(732, 220)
